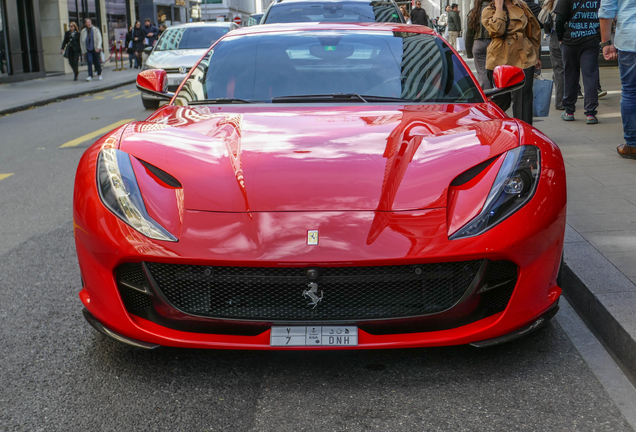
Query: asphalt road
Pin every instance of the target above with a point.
(58, 374)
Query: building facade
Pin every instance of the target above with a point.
(228, 10)
(31, 32)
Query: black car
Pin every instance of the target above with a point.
(288, 11)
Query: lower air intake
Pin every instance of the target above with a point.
(351, 293)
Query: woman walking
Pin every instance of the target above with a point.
(516, 41)
(138, 36)
(71, 44)
(407, 16)
(129, 46)
(548, 18)
(477, 41)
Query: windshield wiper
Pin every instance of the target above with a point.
(222, 101)
(338, 97)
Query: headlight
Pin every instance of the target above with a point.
(120, 193)
(514, 186)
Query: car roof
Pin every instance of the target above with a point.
(202, 24)
(313, 26)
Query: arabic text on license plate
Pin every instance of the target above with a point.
(314, 336)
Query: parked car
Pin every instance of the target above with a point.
(178, 49)
(288, 11)
(322, 185)
(254, 19)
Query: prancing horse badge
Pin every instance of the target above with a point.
(312, 237)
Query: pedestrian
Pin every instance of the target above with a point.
(151, 32)
(162, 28)
(442, 22)
(419, 15)
(548, 17)
(579, 40)
(138, 36)
(516, 41)
(454, 25)
(623, 49)
(91, 45)
(71, 44)
(477, 41)
(406, 15)
(129, 46)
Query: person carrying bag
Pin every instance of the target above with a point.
(71, 48)
(516, 41)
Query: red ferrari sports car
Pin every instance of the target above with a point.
(315, 186)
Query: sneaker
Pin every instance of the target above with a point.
(591, 119)
(99, 77)
(601, 93)
(89, 78)
(626, 151)
(567, 116)
(559, 108)
(579, 95)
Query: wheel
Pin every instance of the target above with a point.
(150, 103)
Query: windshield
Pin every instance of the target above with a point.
(376, 11)
(408, 67)
(190, 38)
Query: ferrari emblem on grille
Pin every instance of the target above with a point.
(312, 237)
(312, 294)
(183, 69)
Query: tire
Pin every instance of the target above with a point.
(150, 104)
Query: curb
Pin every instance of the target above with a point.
(53, 99)
(596, 288)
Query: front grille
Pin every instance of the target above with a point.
(176, 70)
(348, 293)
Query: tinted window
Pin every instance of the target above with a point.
(190, 38)
(411, 66)
(377, 11)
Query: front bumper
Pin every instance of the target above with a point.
(532, 239)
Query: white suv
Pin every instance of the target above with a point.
(179, 48)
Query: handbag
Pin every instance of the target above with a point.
(542, 93)
(461, 46)
(66, 53)
(102, 56)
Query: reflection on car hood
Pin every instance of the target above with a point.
(174, 58)
(319, 158)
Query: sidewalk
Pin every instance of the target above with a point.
(600, 244)
(27, 94)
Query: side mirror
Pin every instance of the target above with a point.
(154, 82)
(148, 50)
(507, 79)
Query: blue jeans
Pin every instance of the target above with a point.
(92, 58)
(627, 68)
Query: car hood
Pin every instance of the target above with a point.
(175, 58)
(318, 158)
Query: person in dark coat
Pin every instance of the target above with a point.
(454, 25)
(72, 41)
(419, 15)
(129, 46)
(138, 36)
(477, 41)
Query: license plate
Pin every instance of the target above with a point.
(314, 336)
(174, 82)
